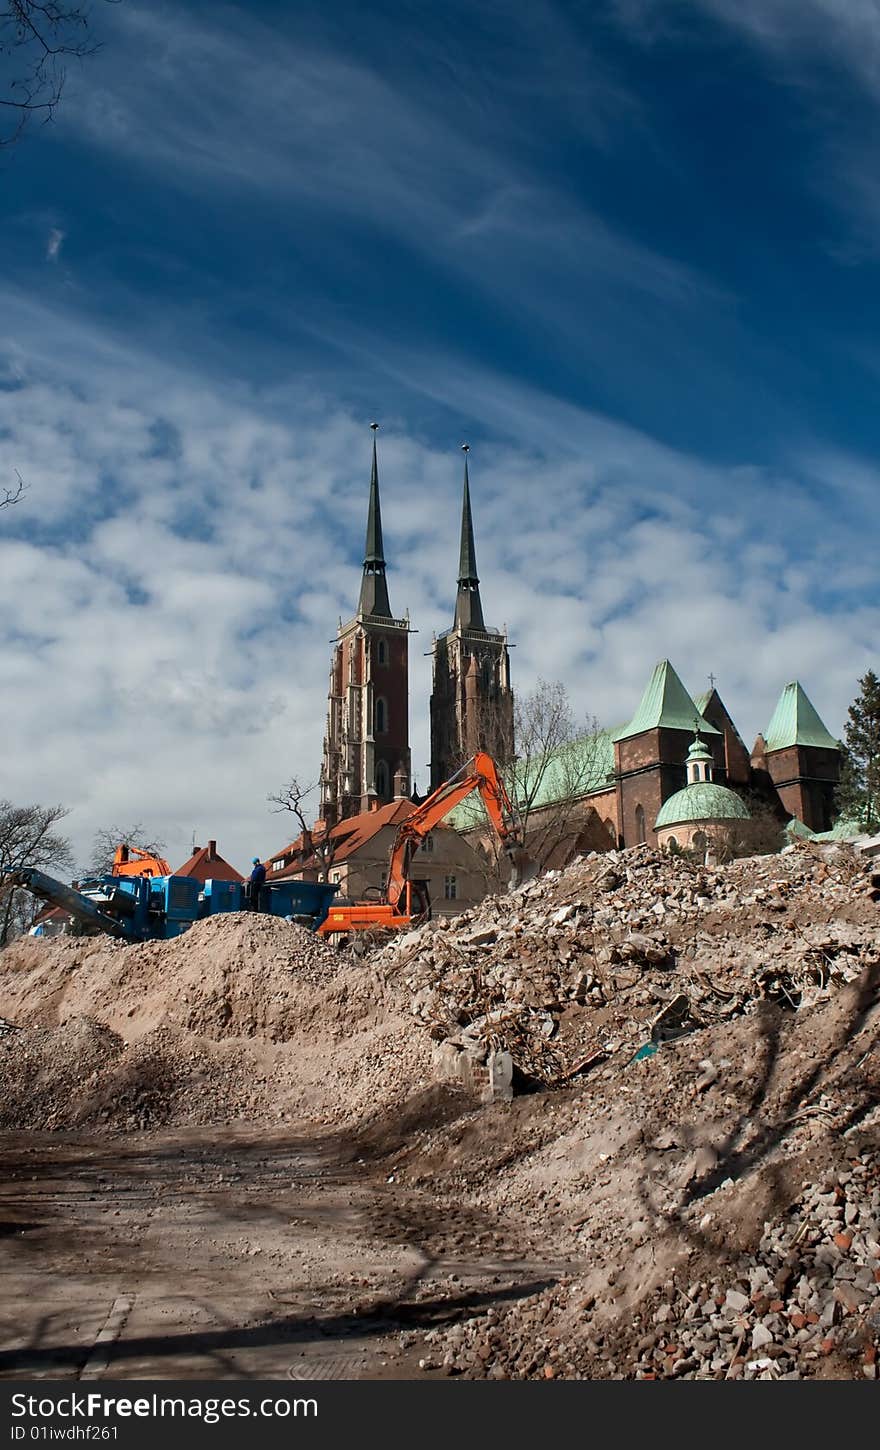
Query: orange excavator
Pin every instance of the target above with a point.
(132, 861)
(405, 902)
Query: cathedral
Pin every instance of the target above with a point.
(631, 772)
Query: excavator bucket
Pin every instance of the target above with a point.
(522, 868)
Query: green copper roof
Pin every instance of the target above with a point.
(701, 801)
(840, 831)
(587, 764)
(795, 722)
(797, 830)
(699, 750)
(667, 704)
(701, 701)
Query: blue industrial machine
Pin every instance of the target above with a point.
(156, 908)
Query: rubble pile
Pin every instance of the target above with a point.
(806, 1303)
(626, 948)
(812, 1288)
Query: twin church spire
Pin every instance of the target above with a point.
(366, 761)
(374, 599)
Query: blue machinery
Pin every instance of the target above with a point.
(155, 908)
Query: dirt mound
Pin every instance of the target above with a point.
(242, 1016)
(232, 975)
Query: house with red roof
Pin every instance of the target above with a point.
(355, 853)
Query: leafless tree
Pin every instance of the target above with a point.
(12, 495)
(37, 39)
(558, 760)
(27, 838)
(105, 841)
(317, 845)
(763, 834)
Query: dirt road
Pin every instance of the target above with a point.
(234, 1253)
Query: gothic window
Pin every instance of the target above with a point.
(381, 652)
(641, 834)
(381, 717)
(450, 888)
(382, 780)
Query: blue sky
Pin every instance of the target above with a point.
(629, 249)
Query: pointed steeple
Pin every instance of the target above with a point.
(374, 586)
(468, 606)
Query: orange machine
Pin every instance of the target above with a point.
(405, 902)
(132, 861)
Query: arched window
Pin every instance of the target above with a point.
(381, 717)
(381, 652)
(641, 834)
(672, 845)
(382, 781)
(698, 840)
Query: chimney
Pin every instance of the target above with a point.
(212, 850)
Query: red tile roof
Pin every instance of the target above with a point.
(348, 836)
(206, 865)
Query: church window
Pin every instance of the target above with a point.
(428, 843)
(699, 840)
(382, 780)
(450, 888)
(381, 652)
(641, 834)
(381, 714)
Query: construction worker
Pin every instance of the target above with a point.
(258, 876)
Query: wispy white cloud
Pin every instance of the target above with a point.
(53, 245)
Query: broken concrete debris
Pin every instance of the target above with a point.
(576, 963)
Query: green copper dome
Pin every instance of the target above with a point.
(703, 800)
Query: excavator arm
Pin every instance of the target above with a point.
(480, 773)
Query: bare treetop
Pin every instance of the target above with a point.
(36, 40)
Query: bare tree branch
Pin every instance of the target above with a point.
(27, 838)
(37, 37)
(105, 841)
(317, 845)
(12, 495)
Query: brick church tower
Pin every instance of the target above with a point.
(472, 702)
(366, 760)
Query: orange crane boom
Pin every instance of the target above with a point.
(395, 910)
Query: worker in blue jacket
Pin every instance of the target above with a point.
(258, 876)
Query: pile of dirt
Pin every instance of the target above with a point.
(242, 1016)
